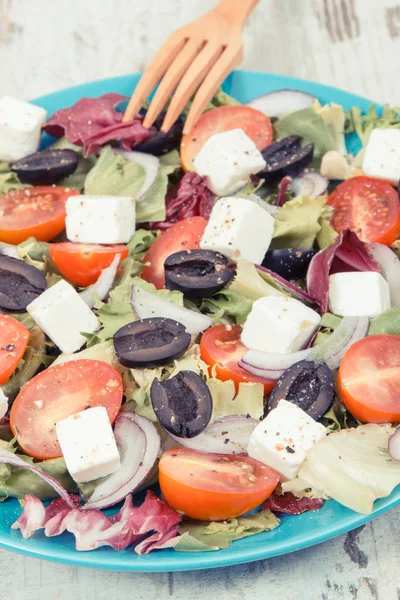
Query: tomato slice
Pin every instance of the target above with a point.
(369, 379)
(36, 211)
(82, 264)
(222, 348)
(213, 487)
(253, 122)
(57, 393)
(369, 207)
(14, 338)
(184, 235)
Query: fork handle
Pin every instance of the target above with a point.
(236, 11)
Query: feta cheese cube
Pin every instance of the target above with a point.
(227, 160)
(279, 324)
(382, 155)
(20, 128)
(3, 404)
(100, 219)
(88, 444)
(62, 314)
(284, 437)
(238, 228)
(361, 294)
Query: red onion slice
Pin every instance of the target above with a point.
(282, 102)
(331, 351)
(283, 186)
(146, 305)
(103, 285)
(309, 183)
(151, 165)
(389, 266)
(394, 445)
(229, 435)
(138, 443)
(9, 458)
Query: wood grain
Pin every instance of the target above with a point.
(353, 44)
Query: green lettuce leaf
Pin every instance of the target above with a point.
(327, 325)
(334, 117)
(248, 401)
(220, 534)
(29, 364)
(9, 181)
(137, 246)
(152, 206)
(113, 175)
(310, 126)
(298, 223)
(363, 124)
(77, 179)
(327, 234)
(249, 282)
(103, 351)
(388, 323)
(227, 304)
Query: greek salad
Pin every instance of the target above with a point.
(210, 320)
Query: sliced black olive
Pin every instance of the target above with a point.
(150, 343)
(285, 157)
(46, 167)
(20, 283)
(183, 404)
(197, 273)
(290, 263)
(159, 142)
(307, 385)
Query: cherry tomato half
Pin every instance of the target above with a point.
(369, 207)
(36, 211)
(82, 264)
(184, 235)
(14, 338)
(253, 122)
(369, 379)
(213, 487)
(221, 347)
(57, 393)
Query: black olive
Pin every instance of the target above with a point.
(285, 157)
(46, 167)
(20, 283)
(159, 142)
(183, 404)
(150, 343)
(308, 385)
(197, 273)
(290, 263)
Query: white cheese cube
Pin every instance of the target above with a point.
(361, 294)
(3, 404)
(279, 324)
(88, 444)
(62, 314)
(20, 128)
(382, 155)
(284, 437)
(227, 160)
(239, 229)
(100, 219)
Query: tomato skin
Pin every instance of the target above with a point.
(214, 487)
(253, 122)
(369, 379)
(82, 264)
(221, 348)
(369, 207)
(57, 393)
(36, 211)
(14, 339)
(184, 235)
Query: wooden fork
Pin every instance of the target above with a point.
(198, 57)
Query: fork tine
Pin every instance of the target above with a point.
(156, 69)
(229, 59)
(171, 79)
(190, 82)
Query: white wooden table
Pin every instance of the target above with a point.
(46, 45)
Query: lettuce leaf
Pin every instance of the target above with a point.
(141, 241)
(249, 399)
(29, 365)
(78, 177)
(310, 126)
(334, 117)
(227, 304)
(375, 118)
(9, 181)
(298, 223)
(387, 323)
(220, 534)
(113, 175)
(249, 283)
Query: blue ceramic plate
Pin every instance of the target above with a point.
(294, 533)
